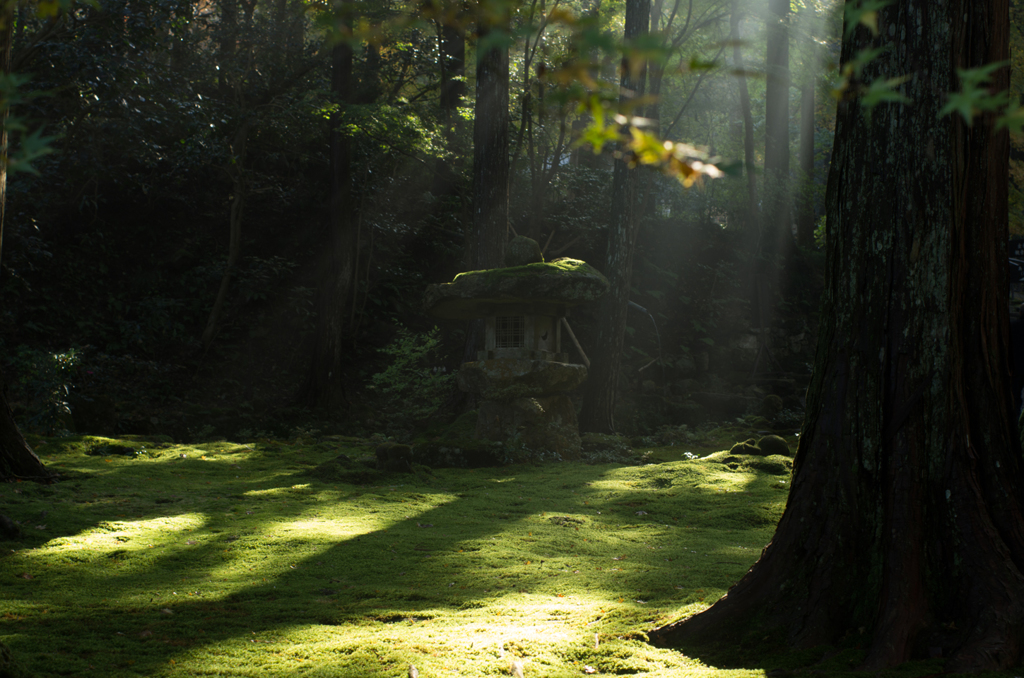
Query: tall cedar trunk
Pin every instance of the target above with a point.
(227, 37)
(490, 164)
(598, 411)
(804, 202)
(17, 460)
(775, 216)
(748, 118)
(452, 65)
(904, 522)
(324, 385)
(490, 152)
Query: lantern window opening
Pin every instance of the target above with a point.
(510, 331)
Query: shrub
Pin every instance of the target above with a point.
(44, 381)
(414, 385)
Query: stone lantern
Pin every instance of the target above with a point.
(522, 375)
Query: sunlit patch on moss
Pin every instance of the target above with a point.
(242, 564)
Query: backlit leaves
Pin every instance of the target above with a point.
(863, 13)
(976, 96)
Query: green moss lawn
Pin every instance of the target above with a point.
(225, 559)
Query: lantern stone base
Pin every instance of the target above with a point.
(542, 424)
(505, 379)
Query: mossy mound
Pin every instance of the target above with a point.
(343, 469)
(777, 465)
(113, 449)
(737, 460)
(458, 453)
(748, 446)
(771, 406)
(771, 445)
(521, 251)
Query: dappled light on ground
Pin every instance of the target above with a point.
(234, 560)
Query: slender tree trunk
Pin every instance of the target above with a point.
(748, 119)
(904, 524)
(17, 460)
(227, 38)
(598, 411)
(775, 235)
(239, 189)
(805, 189)
(324, 385)
(776, 217)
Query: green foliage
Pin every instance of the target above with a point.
(863, 13)
(976, 96)
(414, 384)
(44, 381)
(819, 232)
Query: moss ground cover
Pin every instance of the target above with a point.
(225, 559)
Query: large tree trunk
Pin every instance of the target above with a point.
(598, 410)
(324, 385)
(904, 524)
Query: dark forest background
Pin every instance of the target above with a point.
(165, 267)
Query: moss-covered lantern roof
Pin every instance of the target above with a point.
(475, 294)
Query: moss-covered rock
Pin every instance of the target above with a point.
(343, 469)
(776, 464)
(748, 446)
(770, 445)
(521, 251)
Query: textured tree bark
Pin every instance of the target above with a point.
(904, 524)
(598, 410)
(17, 460)
(324, 385)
